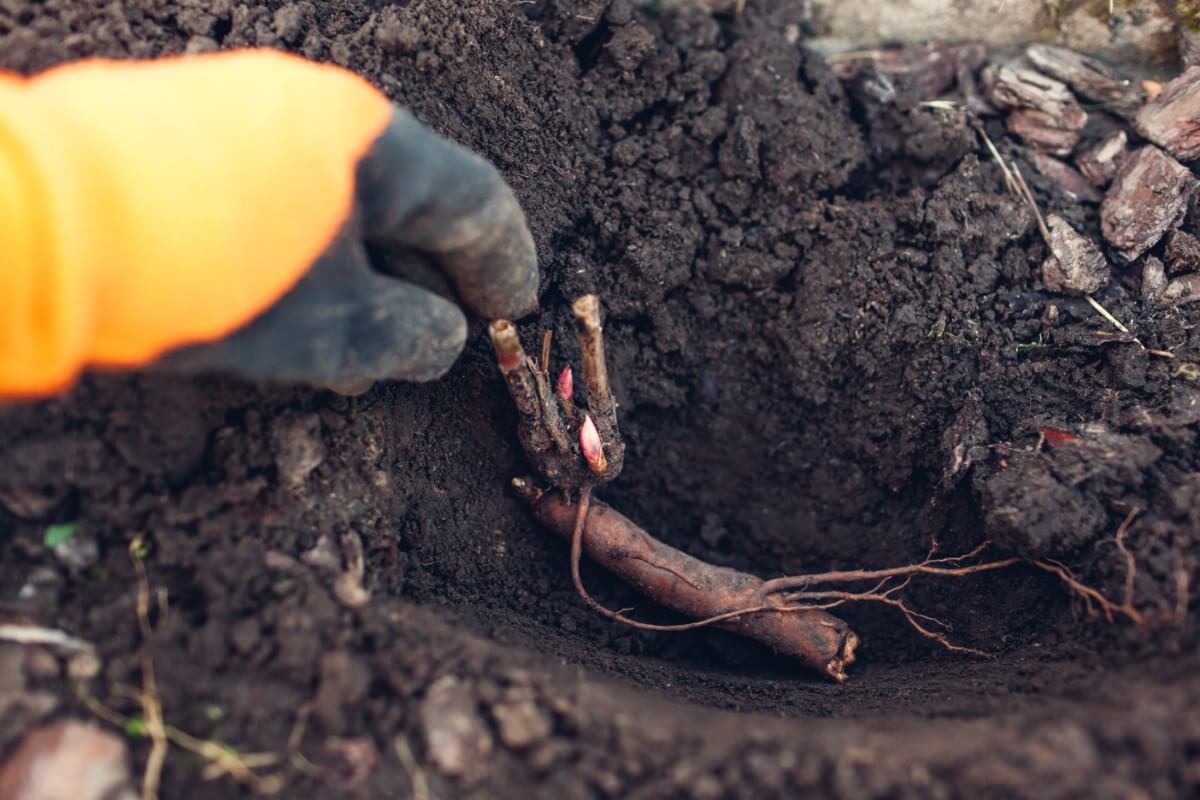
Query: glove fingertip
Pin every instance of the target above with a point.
(435, 345)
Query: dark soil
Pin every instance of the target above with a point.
(816, 312)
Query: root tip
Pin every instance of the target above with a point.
(836, 668)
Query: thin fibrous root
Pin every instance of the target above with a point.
(875, 595)
(1130, 563)
(1110, 609)
(1090, 595)
(930, 566)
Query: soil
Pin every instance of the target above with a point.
(831, 347)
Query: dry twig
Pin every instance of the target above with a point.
(148, 698)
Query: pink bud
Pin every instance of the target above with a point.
(566, 384)
(589, 442)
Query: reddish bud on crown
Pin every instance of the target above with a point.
(593, 449)
(566, 384)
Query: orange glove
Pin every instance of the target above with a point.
(212, 213)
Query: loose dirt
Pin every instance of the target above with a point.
(831, 346)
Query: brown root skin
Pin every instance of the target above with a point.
(716, 595)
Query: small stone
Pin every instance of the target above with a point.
(1182, 252)
(1076, 265)
(1149, 196)
(1099, 164)
(457, 739)
(1169, 120)
(1182, 291)
(1154, 280)
(298, 447)
(68, 759)
(522, 724)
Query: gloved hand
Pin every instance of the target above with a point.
(213, 213)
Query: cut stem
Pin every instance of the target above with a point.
(509, 353)
(590, 333)
(514, 366)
